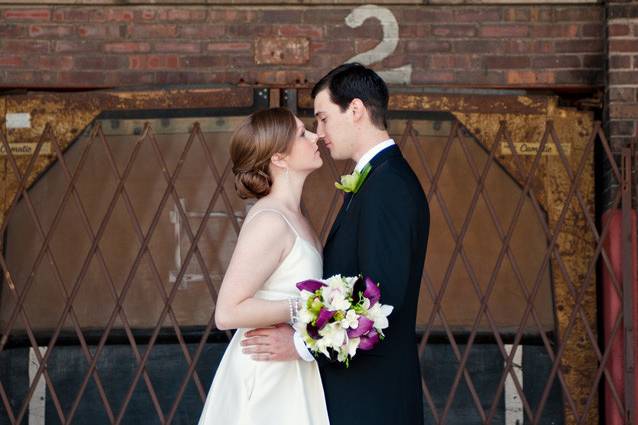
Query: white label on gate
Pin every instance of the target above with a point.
(513, 403)
(18, 120)
(38, 399)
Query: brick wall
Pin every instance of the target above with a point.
(621, 112)
(473, 46)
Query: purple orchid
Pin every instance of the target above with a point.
(372, 291)
(369, 341)
(323, 317)
(310, 285)
(364, 326)
(313, 332)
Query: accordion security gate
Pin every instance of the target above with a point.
(192, 337)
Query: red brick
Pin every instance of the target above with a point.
(623, 45)
(182, 14)
(562, 61)
(283, 51)
(333, 46)
(454, 30)
(153, 62)
(79, 14)
(428, 76)
(474, 78)
(623, 78)
(28, 14)
(152, 31)
(144, 15)
(127, 47)
(278, 16)
(12, 30)
(507, 62)
(100, 62)
(414, 30)
(624, 110)
(455, 61)
(29, 79)
(618, 61)
(120, 15)
(24, 46)
(232, 15)
(204, 61)
(623, 94)
(555, 30)
(202, 31)
(82, 79)
(310, 31)
(229, 47)
(50, 31)
(593, 61)
(517, 14)
(578, 13)
(592, 30)
(477, 46)
(417, 46)
(177, 47)
(577, 46)
(474, 16)
(635, 65)
(325, 16)
(622, 128)
(618, 30)
(427, 14)
(128, 78)
(102, 31)
(53, 63)
(396, 60)
(281, 77)
(504, 31)
(77, 46)
(370, 29)
(529, 77)
(11, 61)
(542, 14)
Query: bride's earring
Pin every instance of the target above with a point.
(286, 174)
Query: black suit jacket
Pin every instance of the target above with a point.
(382, 232)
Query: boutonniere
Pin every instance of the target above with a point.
(352, 182)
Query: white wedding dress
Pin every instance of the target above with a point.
(249, 392)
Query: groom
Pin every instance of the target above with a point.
(381, 231)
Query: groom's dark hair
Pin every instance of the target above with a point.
(354, 81)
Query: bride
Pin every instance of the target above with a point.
(272, 155)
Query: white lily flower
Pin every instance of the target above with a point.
(379, 315)
(339, 302)
(334, 335)
(350, 321)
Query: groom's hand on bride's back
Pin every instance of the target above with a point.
(270, 344)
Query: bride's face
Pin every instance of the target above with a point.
(304, 153)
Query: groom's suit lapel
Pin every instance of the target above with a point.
(376, 163)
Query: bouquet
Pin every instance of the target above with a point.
(341, 315)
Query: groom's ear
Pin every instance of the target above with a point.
(358, 109)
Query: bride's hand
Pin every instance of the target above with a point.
(270, 344)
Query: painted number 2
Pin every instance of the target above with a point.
(386, 47)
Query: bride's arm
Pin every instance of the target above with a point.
(261, 246)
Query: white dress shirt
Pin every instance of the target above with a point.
(300, 346)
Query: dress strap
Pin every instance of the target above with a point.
(248, 220)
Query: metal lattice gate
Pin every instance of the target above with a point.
(119, 241)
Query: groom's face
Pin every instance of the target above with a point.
(334, 126)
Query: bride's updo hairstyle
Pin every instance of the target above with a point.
(254, 142)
